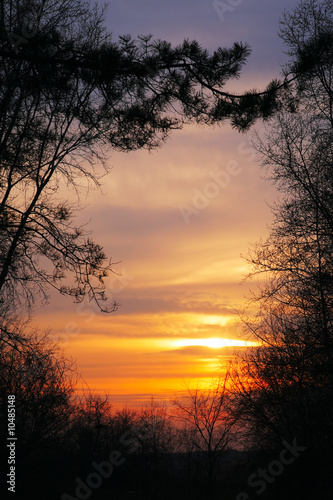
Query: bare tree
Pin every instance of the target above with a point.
(157, 432)
(42, 380)
(206, 413)
(288, 383)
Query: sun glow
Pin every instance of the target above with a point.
(214, 343)
(207, 319)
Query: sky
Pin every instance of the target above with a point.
(178, 221)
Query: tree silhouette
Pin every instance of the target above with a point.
(35, 372)
(288, 380)
(68, 94)
(206, 413)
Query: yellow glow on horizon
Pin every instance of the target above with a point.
(213, 343)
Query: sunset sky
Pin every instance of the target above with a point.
(177, 219)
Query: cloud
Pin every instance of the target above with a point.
(175, 275)
(208, 352)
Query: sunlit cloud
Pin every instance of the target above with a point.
(214, 343)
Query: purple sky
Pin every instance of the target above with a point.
(252, 21)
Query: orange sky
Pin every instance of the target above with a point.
(178, 220)
(181, 279)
